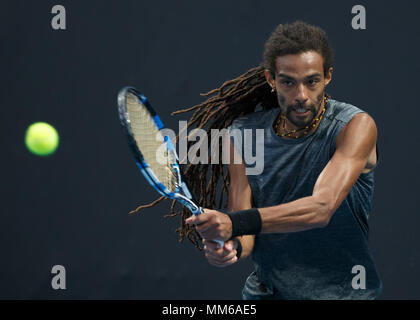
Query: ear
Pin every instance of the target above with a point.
(269, 77)
(328, 76)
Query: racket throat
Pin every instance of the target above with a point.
(190, 205)
(185, 190)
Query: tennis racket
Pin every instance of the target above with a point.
(153, 152)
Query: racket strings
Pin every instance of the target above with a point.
(146, 135)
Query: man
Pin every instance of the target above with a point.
(304, 219)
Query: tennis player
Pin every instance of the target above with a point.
(304, 219)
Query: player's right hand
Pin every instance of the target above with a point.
(220, 256)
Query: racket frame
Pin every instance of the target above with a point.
(186, 198)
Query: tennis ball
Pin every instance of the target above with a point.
(41, 139)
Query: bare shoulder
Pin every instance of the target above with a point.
(361, 127)
(364, 118)
(358, 139)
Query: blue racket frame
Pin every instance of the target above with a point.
(186, 198)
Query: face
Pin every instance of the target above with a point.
(300, 85)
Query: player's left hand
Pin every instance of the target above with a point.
(212, 225)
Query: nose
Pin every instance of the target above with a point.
(301, 95)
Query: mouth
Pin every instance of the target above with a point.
(301, 112)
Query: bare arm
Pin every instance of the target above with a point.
(354, 145)
(240, 197)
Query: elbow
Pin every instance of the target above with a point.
(324, 221)
(323, 212)
(319, 221)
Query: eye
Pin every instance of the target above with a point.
(313, 82)
(287, 83)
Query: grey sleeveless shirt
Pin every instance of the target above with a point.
(323, 263)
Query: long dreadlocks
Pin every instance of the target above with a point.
(235, 98)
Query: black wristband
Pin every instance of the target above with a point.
(239, 249)
(245, 222)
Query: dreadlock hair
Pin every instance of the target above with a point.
(235, 98)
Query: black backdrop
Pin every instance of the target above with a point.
(71, 209)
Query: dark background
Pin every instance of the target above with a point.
(71, 209)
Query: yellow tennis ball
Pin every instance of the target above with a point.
(41, 139)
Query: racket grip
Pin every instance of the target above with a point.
(220, 242)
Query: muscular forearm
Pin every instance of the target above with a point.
(299, 215)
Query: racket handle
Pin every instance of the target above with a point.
(220, 242)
